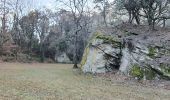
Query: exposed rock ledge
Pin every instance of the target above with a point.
(143, 56)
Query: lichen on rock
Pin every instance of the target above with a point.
(86, 51)
(95, 54)
(137, 55)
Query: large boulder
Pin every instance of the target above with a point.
(144, 56)
(62, 58)
(99, 54)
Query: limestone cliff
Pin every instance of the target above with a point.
(144, 56)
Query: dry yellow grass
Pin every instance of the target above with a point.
(60, 82)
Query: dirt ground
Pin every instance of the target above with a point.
(60, 82)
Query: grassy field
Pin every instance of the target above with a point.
(60, 82)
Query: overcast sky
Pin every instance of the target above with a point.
(44, 3)
(52, 4)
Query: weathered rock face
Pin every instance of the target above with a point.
(149, 53)
(142, 56)
(96, 61)
(133, 52)
(100, 55)
(62, 58)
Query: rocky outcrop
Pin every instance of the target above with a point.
(144, 56)
(62, 58)
(101, 54)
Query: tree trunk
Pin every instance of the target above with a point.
(151, 20)
(42, 52)
(164, 23)
(104, 12)
(75, 54)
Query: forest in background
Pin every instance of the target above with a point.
(44, 34)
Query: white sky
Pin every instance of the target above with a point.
(52, 4)
(44, 3)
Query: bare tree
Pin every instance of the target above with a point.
(17, 14)
(155, 10)
(103, 6)
(4, 11)
(42, 28)
(77, 9)
(28, 26)
(133, 8)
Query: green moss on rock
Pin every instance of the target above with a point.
(165, 68)
(84, 59)
(149, 74)
(137, 72)
(87, 49)
(109, 40)
(97, 35)
(152, 52)
(140, 73)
